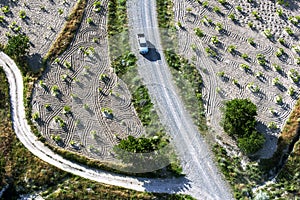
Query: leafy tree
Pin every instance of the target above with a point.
(239, 116)
(239, 121)
(17, 46)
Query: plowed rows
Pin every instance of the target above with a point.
(87, 130)
(218, 89)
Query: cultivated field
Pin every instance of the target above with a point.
(79, 103)
(244, 50)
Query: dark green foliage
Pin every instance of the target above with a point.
(123, 63)
(239, 116)
(251, 143)
(140, 145)
(189, 82)
(239, 121)
(142, 104)
(17, 47)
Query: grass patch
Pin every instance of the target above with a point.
(189, 82)
(67, 34)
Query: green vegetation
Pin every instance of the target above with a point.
(17, 48)
(199, 32)
(241, 179)
(239, 122)
(189, 82)
(117, 29)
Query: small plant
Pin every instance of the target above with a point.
(214, 40)
(231, 49)
(298, 61)
(253, 88)
(231, 16)
(277, 68)
(291, 91)
(279, 52)
(56, 138)
(296, 49)
(93, 133)
(189, 9)
(97, 6)
(294, 75)
(268, 33)
(245, 66)
(67, 65)
(261, 59)
(279, 12)
(239, 8)
(107, 112)
(251, 41)
(60, 11)
(210, 52)
(219, 27)
(95, 40)
(205, 4)
(57, 60)
(64, 77)
(42, 84)
(276, 81)
(272, 126)
(22, 14)
(217, 10)
(103, 77)
(281, 41)
(194, 47)
(221, 74)
(89, 20)
(54, 90)
(259, 75)
(85, 106)
(278, 99)
(245, 56)
(289, 31)
(223, 2)
(235, 82)
(255, 14)
(35, 116)
(198, 32)
(47, 107)
(5, 9)
(66, 110)
(272, 111)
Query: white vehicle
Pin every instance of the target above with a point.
(143, 47)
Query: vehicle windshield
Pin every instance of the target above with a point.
(143, 45)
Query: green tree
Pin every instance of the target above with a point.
(239, 121)
(239, 115)
(17, 46)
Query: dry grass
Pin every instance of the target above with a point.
(67, 34)
(287, 135)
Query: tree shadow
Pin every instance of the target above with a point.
(183, 184)
(35, 62)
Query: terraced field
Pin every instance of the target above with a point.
(249, 54)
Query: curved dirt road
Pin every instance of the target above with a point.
(204, 180)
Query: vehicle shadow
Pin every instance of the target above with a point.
(153, 55)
